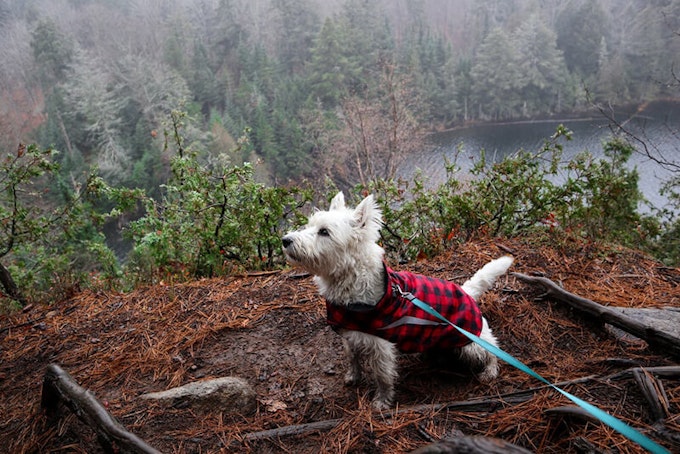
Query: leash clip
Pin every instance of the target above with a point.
(407, 295)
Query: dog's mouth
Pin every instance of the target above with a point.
(290, 257)
(296, 260)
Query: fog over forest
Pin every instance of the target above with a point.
(147, 140)
(97, 79)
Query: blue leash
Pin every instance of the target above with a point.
(606, 418)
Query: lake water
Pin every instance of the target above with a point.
(656, 124)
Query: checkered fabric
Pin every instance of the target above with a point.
(399, 321)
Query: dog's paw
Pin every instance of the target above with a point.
(383, 398)
(352, 378)
(489, 373)
(381, 404)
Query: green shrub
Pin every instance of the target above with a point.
(584, 198)
(666, 246)
(50, 239)
(210, 221)
(604, 199)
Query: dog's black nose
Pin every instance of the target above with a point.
(286, 241)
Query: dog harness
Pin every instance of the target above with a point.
(412, 329)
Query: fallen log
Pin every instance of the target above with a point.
(296, 429)
(471, 445)
(657, 371)
(59, 386)
(664, 341)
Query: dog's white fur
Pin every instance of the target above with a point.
(339, 247)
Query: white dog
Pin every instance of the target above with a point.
(365, 303)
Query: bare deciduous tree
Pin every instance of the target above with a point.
(378, 131)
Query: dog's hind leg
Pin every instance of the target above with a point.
(479, 359)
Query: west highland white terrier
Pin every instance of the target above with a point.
(364, 299)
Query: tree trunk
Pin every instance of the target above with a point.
(11, 288)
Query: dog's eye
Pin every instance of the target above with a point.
(324, 232)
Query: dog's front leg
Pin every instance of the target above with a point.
(381, 357)
(383, 361)
(353, 374)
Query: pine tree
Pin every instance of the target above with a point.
(52, 52)
(330, 67)
(580, 31)
(298, 24)
(495, 74)
(540, 67)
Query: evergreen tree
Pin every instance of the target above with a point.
(540, 67)
(670, 57)
(580, 31)
(330, 67)
(349, 52)
(228, 35)
(464, 87)
(644, 51)
(368, 42)
(495, 74)
(202, 81)
(298, 24)
(611, 84)
(430, 64)
(52, 51)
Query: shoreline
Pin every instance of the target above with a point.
(630, 110)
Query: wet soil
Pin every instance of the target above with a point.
(270, 329)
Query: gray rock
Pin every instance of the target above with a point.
(226, 394)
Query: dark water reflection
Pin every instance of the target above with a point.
(657, 125)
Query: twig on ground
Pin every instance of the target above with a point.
(652, 388)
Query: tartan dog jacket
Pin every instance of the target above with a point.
(399, 321)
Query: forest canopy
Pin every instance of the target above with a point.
(98, 78)
(186, 120)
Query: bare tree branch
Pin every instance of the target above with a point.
(59, 386)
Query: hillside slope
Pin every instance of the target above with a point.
(269, 328)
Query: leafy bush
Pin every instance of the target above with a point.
(49, 233)
(210, 221)
(667, 245)
(584, 198)
(604, 196)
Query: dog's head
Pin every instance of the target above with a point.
(337, 238)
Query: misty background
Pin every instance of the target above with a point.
(272, 81)
(153, 140)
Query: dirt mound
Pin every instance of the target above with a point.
(269, 328)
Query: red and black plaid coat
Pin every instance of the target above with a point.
(399, 321)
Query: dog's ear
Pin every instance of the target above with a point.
(367, 214)
(338, 202)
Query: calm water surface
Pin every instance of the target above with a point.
(657, 125)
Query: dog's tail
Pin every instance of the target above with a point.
(486, 276)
